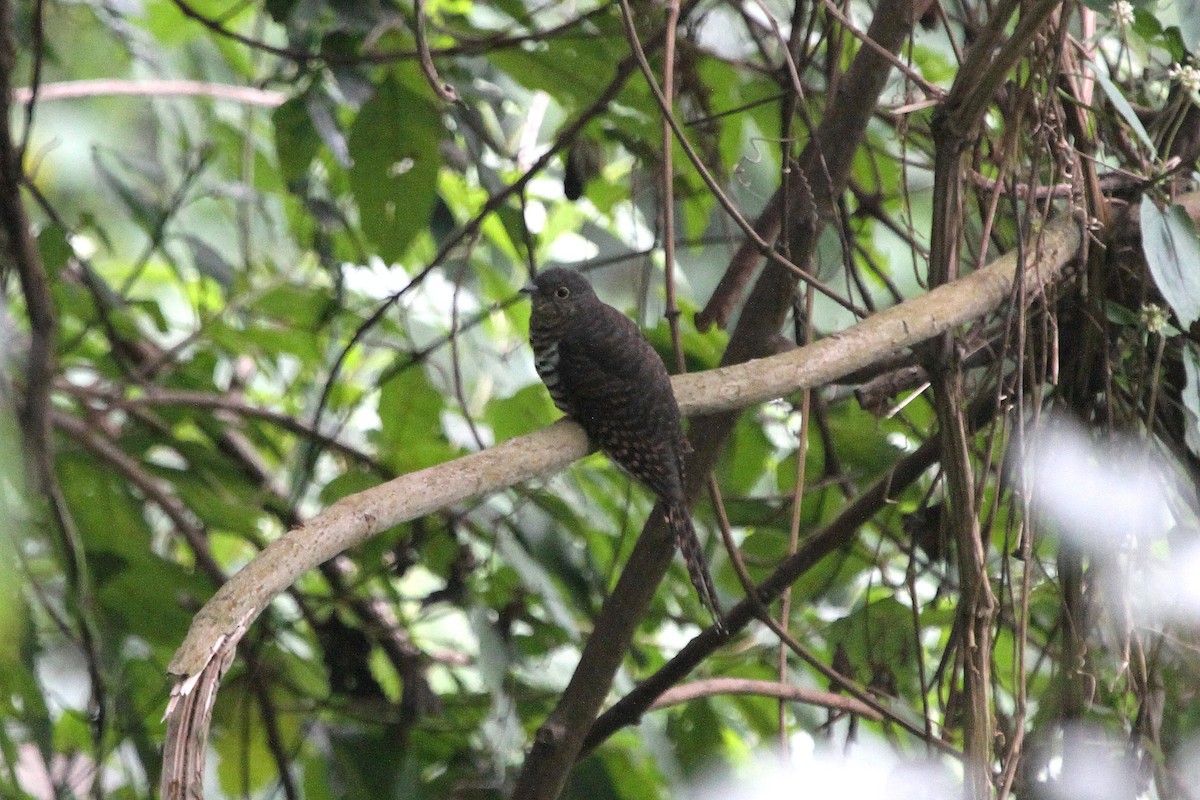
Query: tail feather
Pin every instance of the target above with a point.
(679, 520)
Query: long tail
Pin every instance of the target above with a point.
(679, 520)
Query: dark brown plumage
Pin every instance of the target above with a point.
(603, 374)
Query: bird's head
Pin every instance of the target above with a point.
(557, 295)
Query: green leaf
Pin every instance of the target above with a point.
(1122, 105)
(744, 468)
(1172, 249)
(573, 70)
(109, 518)
(244, 760)
(155, 584)
(296, 141)
(394, 144)
(346, 484)
(534, 566)
(209, 261)
(54, 248)
(299, 306)
(527, 410)
(367, 766)
(877, 635)
(410, 436)
(142, 205)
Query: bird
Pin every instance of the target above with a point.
(602, 373)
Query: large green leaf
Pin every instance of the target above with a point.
(410, 433)
(1172, 250)
(296, 141)
(1117, 98)
(394, 145)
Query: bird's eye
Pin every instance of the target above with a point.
(562, 292)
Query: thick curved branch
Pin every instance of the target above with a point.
(224, 619)
(359, 516)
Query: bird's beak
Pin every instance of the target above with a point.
(529, 288)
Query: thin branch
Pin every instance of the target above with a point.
(712, 687)
(764, 247)
(443, 90)
(150, 87)
(155, 490)
(154, 397)
(303, 57)
(667, 196)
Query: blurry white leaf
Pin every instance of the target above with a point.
(867, 771)
(1098, 494)
(1189, 23)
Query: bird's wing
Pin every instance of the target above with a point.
(607, 353)
(610, 372)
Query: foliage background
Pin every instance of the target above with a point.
(296, 278)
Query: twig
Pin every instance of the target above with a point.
(153, 397)
(443, 90)
(100, 87)
(764, 248)
(384, 57)
(686, 692)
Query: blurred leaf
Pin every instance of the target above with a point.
(53, 248)
(365, 764)
(591, 780)
(1117, 98)
(862, 440)
(244, 760)
(150, 584)
(209, 262)
(410, 435)
(300, 306)
(526, 411)
(322, 114)
(695, 730)
(570, 69)
(1189, 24)
(743, 469)
(534, 567)
(144, 206)
(876, 636)
(348, 483)
(109, 518)
(394, 144)
(296, 140)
